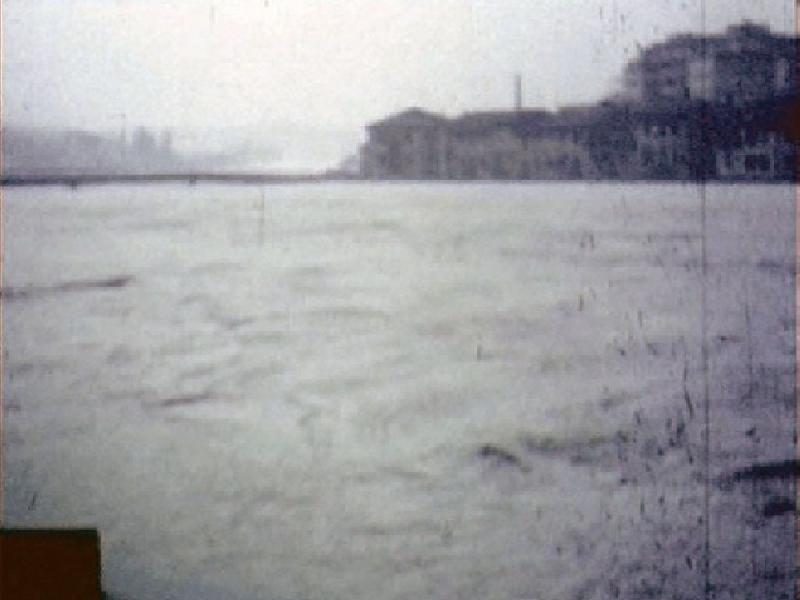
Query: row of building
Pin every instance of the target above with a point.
(692, 107)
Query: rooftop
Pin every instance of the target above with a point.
(414, 117)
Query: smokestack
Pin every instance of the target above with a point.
(518, 92)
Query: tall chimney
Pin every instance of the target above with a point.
(518, 92)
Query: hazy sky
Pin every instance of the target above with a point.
(331, 64)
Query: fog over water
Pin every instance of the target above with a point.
(379, 391)
(302, 78)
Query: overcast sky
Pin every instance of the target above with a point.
(332, 64)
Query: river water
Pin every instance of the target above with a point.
(289, 391)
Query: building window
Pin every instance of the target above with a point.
(756, 163)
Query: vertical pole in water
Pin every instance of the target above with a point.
(261, 220)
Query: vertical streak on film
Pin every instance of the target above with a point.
(796, 8)
(703, 327)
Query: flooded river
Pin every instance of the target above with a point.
(365, 391)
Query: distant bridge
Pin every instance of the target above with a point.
(190, 178)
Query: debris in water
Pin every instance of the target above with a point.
(686, 397)
(501, 456)
(779, 506)
(786, 469)
(184, 400)
(13, 293)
